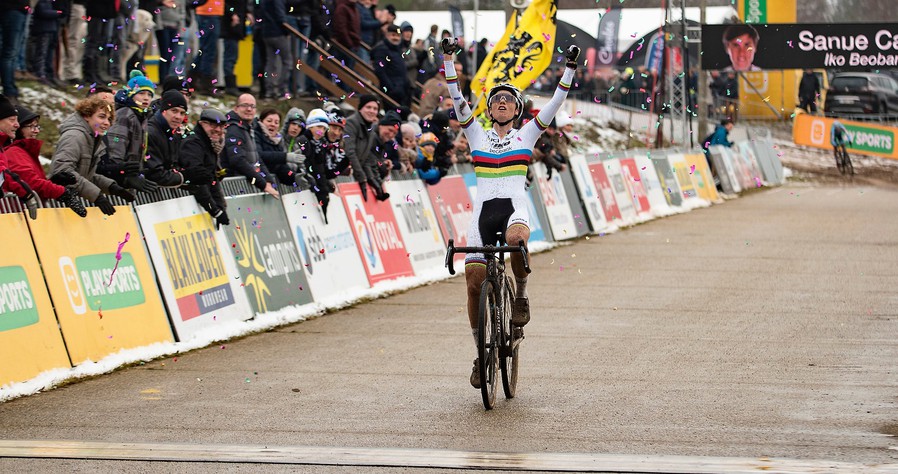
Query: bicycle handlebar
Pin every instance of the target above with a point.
(486, 250)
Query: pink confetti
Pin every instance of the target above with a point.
(691, 169)
(118, 256)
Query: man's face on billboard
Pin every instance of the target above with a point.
(741, 50)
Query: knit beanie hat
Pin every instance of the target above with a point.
(428, 139)
(138, 83)
(26, 116)
(173, 82)
(391, 119)
(317, 118)
(172, 99)
(6, 108)
(366, 98)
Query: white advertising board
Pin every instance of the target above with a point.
(555, 202)
(198, 276)
(417, 224)
(589, 193)
(328, 251)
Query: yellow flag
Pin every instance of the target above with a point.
(523, 53)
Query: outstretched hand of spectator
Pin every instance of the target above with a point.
(270, 190)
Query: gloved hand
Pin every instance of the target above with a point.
(121, 192)
(32, 202)
(379, 193)
(63, 178)
(221, 218)
(131, 168)
(70, 199)
(573, 52)
(449, 45)
(105, 206)
(364, 186)
(140, 183)
(296, 158)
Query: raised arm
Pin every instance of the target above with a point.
(547, 113)
(462, 109)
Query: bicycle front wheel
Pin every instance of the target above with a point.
(510, 343)
(488, 344)
(840, 160)
(849, 167)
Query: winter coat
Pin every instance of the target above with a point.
(809, 86)
(79, 150)
(234, 32)
(410, 55)
(273, 155)
(428, 173)
(336, 160)
(199, 165)
(46, 18)
(175, 18)
(272, 14)
(719, 137)
(101, 9)
(389, 66)
(384, 152)
(316, 163)
(359, 139)
(433, 92)
(367, 23)
(23, 158)
(163, 149)
(346, 25)
(128, 135)
(13, 5)
(239, 156)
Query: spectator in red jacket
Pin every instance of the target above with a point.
(23, 158)
(346, 29)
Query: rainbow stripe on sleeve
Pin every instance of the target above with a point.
(510, 163)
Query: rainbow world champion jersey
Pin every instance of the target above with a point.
(500, 164)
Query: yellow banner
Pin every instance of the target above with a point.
(701, 174)
(105, 292)
(30, 341)
(866, 138)
(523, 53)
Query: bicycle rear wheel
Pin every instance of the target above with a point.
(488, 344)
(840, 160)
(509, 364)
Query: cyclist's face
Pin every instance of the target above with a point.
(503, 107)
(741, 50)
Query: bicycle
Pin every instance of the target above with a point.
(843, 160)
(498, 342)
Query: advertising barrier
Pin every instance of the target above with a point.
(669, 184)
(649, 179)
(99, 276)
(418, 224)
(768, 161)
(682, 171)
(452, 204)
(581, 220)
(379, 241)
(635, 188)
(748, 161)
(263, 246)
(866, 139)
(589, 193)
(328, 251)
(606, 195)
(30, 341)
(701, 176)
(621, 195)
(537, 214)
(555, 201)
(722, 158)
(197, 275)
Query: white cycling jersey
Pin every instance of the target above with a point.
(500, 163)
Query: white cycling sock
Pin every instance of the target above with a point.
(520, 287)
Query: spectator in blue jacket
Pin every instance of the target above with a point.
(389, 66)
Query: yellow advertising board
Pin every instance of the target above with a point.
(866, 138)
(761, 90)
(30, 342)
(99, 275)
(701, 175)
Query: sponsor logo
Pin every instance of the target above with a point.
(369, 248)
(105, 290)
(275, 258)
(755, 11)
(17, 307)
(818, 132)
(871, 139)
(72, 285)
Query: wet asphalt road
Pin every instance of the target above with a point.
(764, 327)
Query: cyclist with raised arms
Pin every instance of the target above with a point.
(500, 157)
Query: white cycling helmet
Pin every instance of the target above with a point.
(514, 91)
